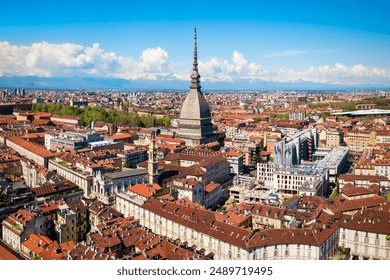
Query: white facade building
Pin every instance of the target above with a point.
(290, 180)
(199, 227)
(367, 234)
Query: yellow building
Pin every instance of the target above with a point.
(357, 141)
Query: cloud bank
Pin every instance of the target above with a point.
(63, 60)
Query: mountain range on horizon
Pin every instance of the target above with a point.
(90, 83)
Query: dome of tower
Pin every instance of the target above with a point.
(195, 106)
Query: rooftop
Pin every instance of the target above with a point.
(126, 173)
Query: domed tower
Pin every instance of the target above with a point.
(195, 125)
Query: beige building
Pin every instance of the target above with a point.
(334, 137)
(80, 177)
(266, 216)
(357, 140)
(19, 225)
(382, 137)
(31, 151)
(72, 223)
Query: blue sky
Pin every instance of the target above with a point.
(335, 42)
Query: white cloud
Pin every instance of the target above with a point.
(50, 60)
(223, 70)
(154, 60)
(59, 60)
(215, 69)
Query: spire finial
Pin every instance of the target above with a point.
(195, 82)
(195, 64)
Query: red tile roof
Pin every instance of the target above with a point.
(36, 149)
(350, 190)
(6, 255)
(144, 190)
(201, 220)
(211, 187)
(368, 220)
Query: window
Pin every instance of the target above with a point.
(356, 237)
(366, 238)
(265, 254)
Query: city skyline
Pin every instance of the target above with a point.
(326, 44)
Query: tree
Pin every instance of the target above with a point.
(164, 121)
(257, 120)
(318, 105)
(334, 194)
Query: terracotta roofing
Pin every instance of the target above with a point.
(233, 153)
(201, 220)
(350, 190)
(119, 136)
(345, 205)
(371, 178)
(32, 147)
(184, 183)
(374, 188)
(232, 217)
(51, 206)
(104, 211)
(23, 216)
(203, 161)
(368, 220)
(195, 170)
(166, 250)
(51, 189)
(102, 242)
(68, 245)
(317, 234)
(144, 190)
(268, 211)
(6, 255)
(84, 252)
(77, 205)
(211, 187)
(43, 114)
(54, 252)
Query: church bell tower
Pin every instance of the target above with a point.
(152, 161)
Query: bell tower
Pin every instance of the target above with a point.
(152, 161)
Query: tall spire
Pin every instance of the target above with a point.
(195, 77)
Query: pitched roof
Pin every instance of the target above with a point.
(211, 187)
(368, 220)
(201, 220)
(32, 147)
(144, 190)
(350, 190)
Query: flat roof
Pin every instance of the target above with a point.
(127, 173)
(364, 112)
